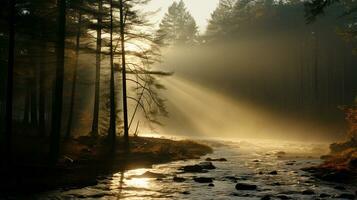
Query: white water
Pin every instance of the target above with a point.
(242, 163)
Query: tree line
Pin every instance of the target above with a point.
(42, 45)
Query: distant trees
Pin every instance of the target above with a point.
(293, 53)
(177, 26)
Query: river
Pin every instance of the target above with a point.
(252, 163)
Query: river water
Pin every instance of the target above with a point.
(247, 162)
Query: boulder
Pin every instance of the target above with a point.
(245, 186)
(211, 185)
(207, 165)
(203, 179)
(193, 169)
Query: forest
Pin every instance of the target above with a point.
(141, 99)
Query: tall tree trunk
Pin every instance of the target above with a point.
(26, 118)
(97, 70)
(58, 86)
(9, 91)
(33, 94)
(42, 97)
(316, 73)
(74, 78)
(112, 125)
(125, 106)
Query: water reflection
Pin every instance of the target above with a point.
(246, 163)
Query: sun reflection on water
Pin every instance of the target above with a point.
(138, 182)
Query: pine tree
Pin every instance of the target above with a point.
(177, 26)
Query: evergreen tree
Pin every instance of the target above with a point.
(221, 19)
(177, 26)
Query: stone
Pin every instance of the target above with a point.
(324, 195)
(178, 179)
(211, 185)
(203, 179)
(149, 174)
(273, 172)
(193, 169)
(283, 197)
(245, 186)
(216, 159)
(207, 165)
(346, 196)
(308, 192)
(266, 197)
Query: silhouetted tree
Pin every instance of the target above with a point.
(177, 26)
(58, 87)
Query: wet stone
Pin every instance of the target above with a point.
(324, 195)
(185, 192)
(149, 174)
(308, 192)
(346, 196)
(216, 159)
(203, 180)
(193, 169)
(178, 179)
(266, 197)
(207, 165)
(273, 172)
(283, 197)
(245, 186)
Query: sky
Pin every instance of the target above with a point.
(200, 10)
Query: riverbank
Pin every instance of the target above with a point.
(85, 160)
(340, 165)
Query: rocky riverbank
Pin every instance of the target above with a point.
(84, 160)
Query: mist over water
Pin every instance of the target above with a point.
(203, 112)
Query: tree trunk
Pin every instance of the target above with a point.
(9, 91)
(74, 79)
(125, 106)
(42, 97)
(112, 126)
(33, 94)
(97, 70)
(58, 86)
(26, 118)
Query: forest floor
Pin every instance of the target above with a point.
(85, 160)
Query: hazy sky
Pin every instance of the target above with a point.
(200, 9)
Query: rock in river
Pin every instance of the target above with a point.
(273, 172)
(308, 192)
(179, 179)
(149, 174)
(346, 196)
(192, 169)
(207, 165)
(245, 186)
(203, 179)
(216, 159)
